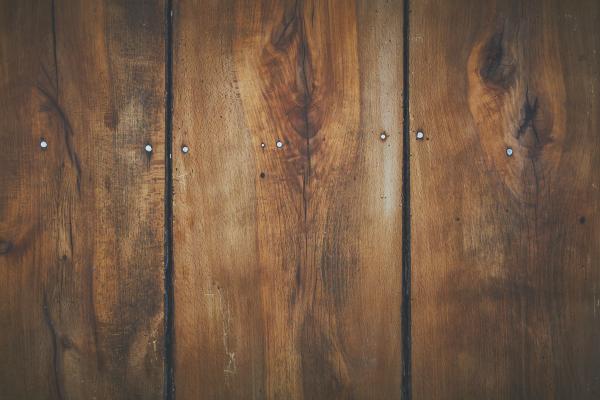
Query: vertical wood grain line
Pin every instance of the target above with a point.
(169, 295)
(406, 262)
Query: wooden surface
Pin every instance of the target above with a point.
(287, 260)
(505, 250)
(81, 223)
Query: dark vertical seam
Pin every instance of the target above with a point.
(169, 384)
(406, 229)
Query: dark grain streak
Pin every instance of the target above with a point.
(67, 131)
(540, 135)
(71, 245)
(304, 67)
(92, 315)
(54, 50)
(283, 37)
(530, 110)
(536, 181)
(304, 72)
(46, 74)
(54, 338)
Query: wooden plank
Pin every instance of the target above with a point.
(287, 260)
(81, 222)
(505, 250)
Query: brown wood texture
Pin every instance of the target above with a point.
(287, 260)
(505, 250)
(81, 222)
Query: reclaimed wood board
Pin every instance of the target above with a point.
(287, 205)
(299, 240)
(81, 220)
(505, 194)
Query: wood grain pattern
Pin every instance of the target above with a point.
(287, 260)
(81, 222)
(505, 250)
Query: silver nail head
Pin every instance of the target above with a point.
(148, 148)
(43, 144)
(279, 144)
(509, 152)
(420, 135)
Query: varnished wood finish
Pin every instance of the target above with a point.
(505, 250)
(287, 260)
(81, 222)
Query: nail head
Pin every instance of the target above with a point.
(185, 149)
(279, 144)
(148, 148)
(420, 135)
(43, 144)
(509, 152)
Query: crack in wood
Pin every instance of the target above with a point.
(529, 111)
(67, 132)
(54, 338)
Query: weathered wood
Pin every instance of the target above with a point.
(505, 250)
(81, 222)
(287, 260)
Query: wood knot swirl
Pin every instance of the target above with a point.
(496, 66)
(517, 103)
(287, 62)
